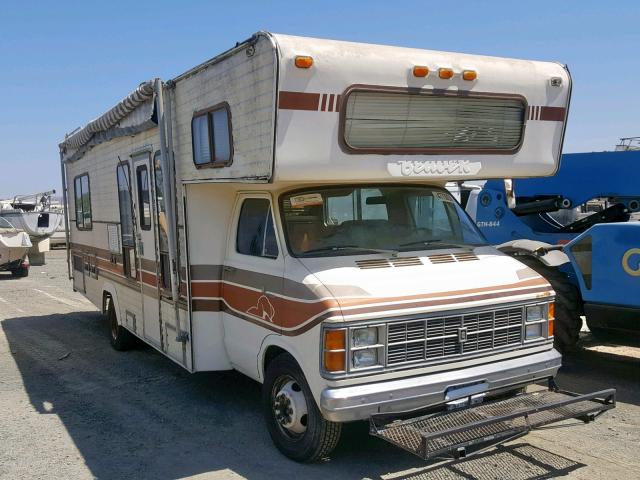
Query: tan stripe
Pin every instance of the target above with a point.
(323, 105)
(331, 97)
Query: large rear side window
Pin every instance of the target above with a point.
(408, 122)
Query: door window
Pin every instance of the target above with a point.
(144, 204)
(126, 219)
(256, 234)
(161, 222)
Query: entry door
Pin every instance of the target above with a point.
(146, 246)
(252, 279)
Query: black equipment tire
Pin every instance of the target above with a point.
(320, 437)
(20, 272)
(121, 339)
(568, 323)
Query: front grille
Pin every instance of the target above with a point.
(442, 337)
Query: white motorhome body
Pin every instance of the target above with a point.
(191, 202)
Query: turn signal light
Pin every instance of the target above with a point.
(335, 345)
(445, 73)
(420, 71)
(469, 75)
(334, 340)
(334, 361)
(552, 311)
(550, 332)
(303, 61)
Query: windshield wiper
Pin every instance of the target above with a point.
(338, 248)
(437, 243)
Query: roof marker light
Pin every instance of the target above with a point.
(420, 71)
(303, 61)
(469, 75)
(445, 73)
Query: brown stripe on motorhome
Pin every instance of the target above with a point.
(298, 100)
(546, 114)
(553, 114)
(206, 289)
(331, 97)
(323, 104)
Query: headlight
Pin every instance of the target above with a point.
(533, 331)
(535, 313)
(365, 358)
(364, 337)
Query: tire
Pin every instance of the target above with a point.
(121, 339)
(600, 333)
(319, 437)
(567, 323)
(20, 272)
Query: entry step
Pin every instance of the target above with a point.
(449, 434)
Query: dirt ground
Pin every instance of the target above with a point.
(71, 407)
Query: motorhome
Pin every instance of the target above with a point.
(280, 210)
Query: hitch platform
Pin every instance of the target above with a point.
(453, 434)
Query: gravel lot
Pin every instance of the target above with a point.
(71, 407)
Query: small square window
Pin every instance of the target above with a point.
(211, 136)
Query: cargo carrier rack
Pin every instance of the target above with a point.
(454, 434)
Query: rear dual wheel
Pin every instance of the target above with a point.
(294, 421)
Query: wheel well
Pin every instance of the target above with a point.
(106, 301)
(272, 352)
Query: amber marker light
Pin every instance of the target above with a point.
(469, 75)
(335, 350)
(445, 73)
(552, 317)
(420, 71)
(303, 61)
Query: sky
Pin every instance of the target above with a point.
(64, 63)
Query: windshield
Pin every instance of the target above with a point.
(366, 219)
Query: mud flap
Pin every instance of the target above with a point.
(458, 433)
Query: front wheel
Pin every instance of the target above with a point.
(121, 339)
(293, 419)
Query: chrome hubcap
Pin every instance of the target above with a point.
(290, 407)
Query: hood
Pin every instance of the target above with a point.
(432, 280)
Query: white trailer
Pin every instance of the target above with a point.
(280, 210)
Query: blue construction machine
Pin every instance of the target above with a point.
(580, 229)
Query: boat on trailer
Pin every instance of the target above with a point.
(14, 246)
(32, 214)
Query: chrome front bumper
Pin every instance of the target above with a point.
(359, 402)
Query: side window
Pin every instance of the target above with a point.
(211, 137)
(256, 235)
(161, 223)
(144, 205)
(83, 202)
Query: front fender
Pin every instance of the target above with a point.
(546, 253)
